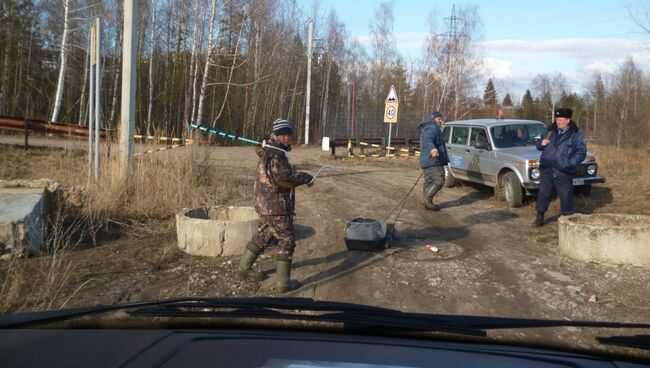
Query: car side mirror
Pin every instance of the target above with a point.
(482, 145)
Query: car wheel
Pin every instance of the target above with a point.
(498, 190)
(450, 181)
(512, 190)
(583, 190)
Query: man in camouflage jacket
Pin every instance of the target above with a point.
(274, 203)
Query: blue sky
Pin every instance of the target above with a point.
(520, 39)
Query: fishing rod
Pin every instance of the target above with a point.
(313, 179)
(223, 133)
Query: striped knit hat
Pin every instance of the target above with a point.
(281, 127)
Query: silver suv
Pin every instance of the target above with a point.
(502, 154)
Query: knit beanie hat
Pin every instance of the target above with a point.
(281, 127)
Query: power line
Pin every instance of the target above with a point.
(453, 24)
(522, 19)
(564, 29)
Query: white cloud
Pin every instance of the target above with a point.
(577, 59)
(497, 68)
(575, 48)
(517, 62)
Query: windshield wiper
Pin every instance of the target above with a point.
(353, 316)
(637, 341)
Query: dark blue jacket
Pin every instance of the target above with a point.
(565, 151)
(430, 138)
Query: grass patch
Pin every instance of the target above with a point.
(91, 212)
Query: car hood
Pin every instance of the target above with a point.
(526, 153)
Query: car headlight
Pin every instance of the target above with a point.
(534, 173)
(591, 169)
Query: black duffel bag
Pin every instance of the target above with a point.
(368, 234)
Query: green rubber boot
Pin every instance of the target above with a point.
(428, 204)
(283, 273)
(244, 270)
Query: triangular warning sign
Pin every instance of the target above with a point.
(392, 95)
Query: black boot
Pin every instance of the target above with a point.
(539, 221)
(283, 273)
(428, 204)
(244, 270)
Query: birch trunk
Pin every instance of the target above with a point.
(116, 81)
(195, 77)
(4, 86)
(252, 109)
(206, 70)
(295, 89)
(189, 99)
(232, 70)
(153, 46)
(82, 106)
(63, 56)
(325, 96)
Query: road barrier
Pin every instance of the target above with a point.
(42, 126)
(158, 150)
(159, 140)
(378, 143)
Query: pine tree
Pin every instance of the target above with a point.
(490, 94)
(507, 100)
(527, 110)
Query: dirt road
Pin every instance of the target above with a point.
(490, 260)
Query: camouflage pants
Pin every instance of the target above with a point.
(275, 229)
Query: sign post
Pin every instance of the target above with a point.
(390, 111)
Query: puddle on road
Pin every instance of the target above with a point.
(416, 250)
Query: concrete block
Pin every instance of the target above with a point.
(23, 220)
(216, 231)
(606, 238)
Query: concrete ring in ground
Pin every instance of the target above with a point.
(606, 238)
(215, 231)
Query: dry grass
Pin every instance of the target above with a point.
(624, 161)
(161, 184)
(627, 171)
(91, 211)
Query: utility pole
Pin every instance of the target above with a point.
(354, 128)
(310, 32)
(127, 116)
(98, 89)
(91, 100)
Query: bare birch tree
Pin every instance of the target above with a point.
(63, 55)
(152, 40)
(208, 61)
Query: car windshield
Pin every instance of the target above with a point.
(517, 135)
(374, 152)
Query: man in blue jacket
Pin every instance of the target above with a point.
(563, 150)
(433, 157)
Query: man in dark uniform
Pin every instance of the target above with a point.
(563, 150)
(274, 203)
(433, 157)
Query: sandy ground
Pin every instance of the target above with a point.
(490, 260)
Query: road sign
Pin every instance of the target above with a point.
(390, 110)
(392, 95)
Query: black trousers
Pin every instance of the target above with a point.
(434, 179)
(560, 183)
